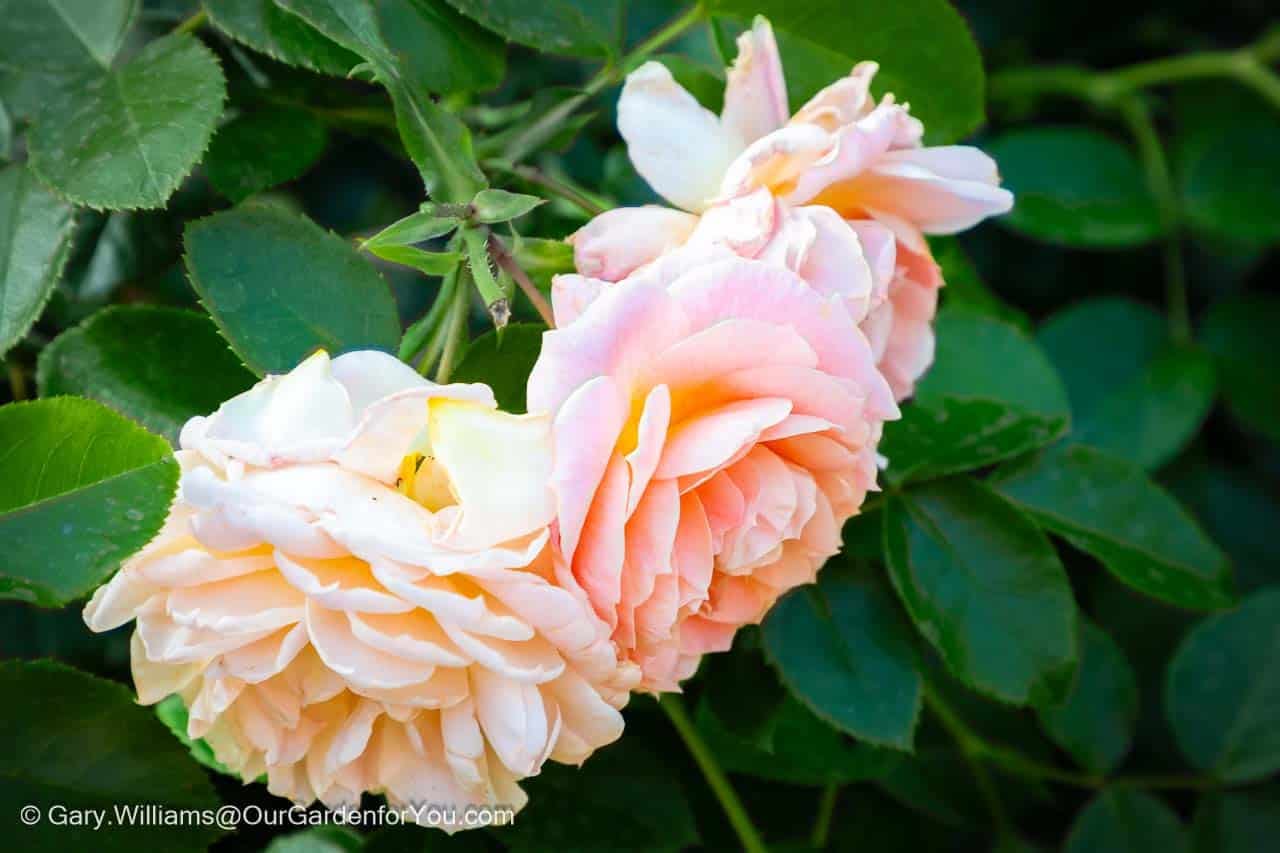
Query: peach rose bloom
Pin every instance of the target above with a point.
(353, 593)
(842, 151)
(715, 424)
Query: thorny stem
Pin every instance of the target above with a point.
(546, 125)
(507, 263)
(719, 783)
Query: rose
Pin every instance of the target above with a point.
(353, 593)
(842, 151)
(715, 424)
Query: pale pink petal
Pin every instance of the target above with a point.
(617, 242)
(853, 149)
(651, 432)
(712, 439)
(677, 145)
(755, 97)
(940, 190)
(843, 102)
(586, 430)
(775, 161)
(598, 560)
(571, 294)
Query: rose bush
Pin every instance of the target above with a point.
(403, 398)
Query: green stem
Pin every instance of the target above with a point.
(826, 809)
(1248, 66)
(457, 325)
(719, 783)
(17, 381)
(197, 20)
(550, 183)
(1015, 763)
(1160, 182)
(507, 262)
(545, 126)
(971, 748)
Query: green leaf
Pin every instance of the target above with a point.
(1124, 820)
(542, 259)
(926, 54)
(414, 228)
(83, 489)
(503, 360)
(1222, 691)
(624, 798)
(439, 143)
(842, 648)
(63, 722)
(990, 395)
(1224, 154)
(267, 28)
(441, 50)
(936, 781)
(1237, 821)
(260, 150)
(409, 838)
(47, 44)
(1076, 187)
(35, 238)
(742, 691)
(1107, 507)
(1239, 512)
(1239, 333)
(1133, 391)
(353, 24)
(126, 138)
(318, 839)
(805, 750)
(429, 263)
(174, 715)
(1095, 723)
(583, 28)
(279, 287)
(985, 587)
(501, 206)
(966, 289)
(159, 366)
(6, 133)
(436, 140)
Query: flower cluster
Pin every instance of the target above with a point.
(373, 583)
(720, 375)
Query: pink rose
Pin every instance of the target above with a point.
(346, 603)
(842, 151)
(715, 424)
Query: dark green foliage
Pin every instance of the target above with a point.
(1054, 626)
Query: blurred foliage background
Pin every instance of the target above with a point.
(1140, 258)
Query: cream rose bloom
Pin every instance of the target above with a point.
(842, 192)
(353, 593)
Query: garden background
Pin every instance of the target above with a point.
(1057, 628)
